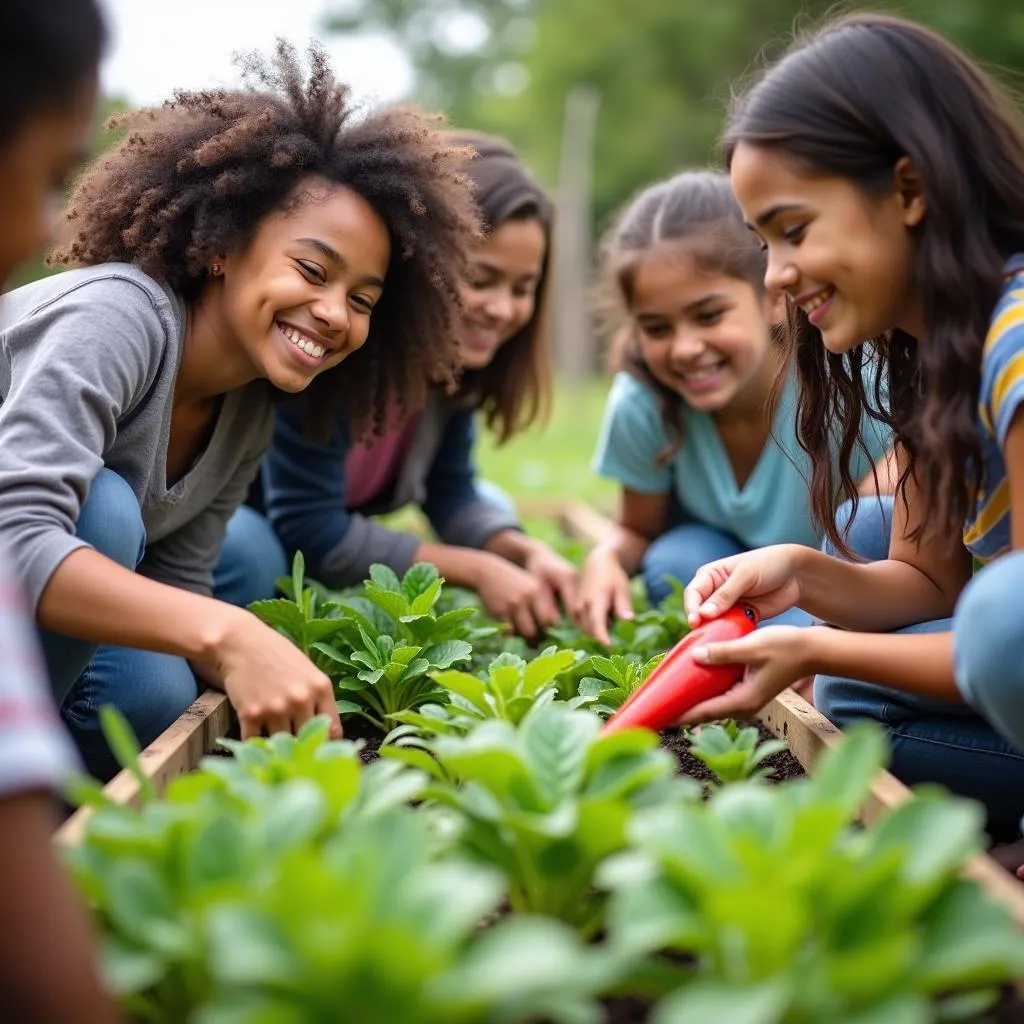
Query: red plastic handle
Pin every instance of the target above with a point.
(679, 683)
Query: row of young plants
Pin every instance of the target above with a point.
(502, 861)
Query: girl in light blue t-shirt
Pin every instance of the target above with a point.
(700, 425)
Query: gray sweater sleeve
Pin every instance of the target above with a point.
(364, 543)
(187, 557)
(77, 364)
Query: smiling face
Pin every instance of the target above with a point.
(297, 300)
(702, 334)
(499, 291)
(34, 166)
(844, 257)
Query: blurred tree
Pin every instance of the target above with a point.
(664, 68)
(102, 140)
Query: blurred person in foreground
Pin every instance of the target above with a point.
(48, 82)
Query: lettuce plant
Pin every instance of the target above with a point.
(546, 802)
(616, 679)
(511, 687)
(289, 884)
(793, 916)
(732, 753)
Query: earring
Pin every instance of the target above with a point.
(215, 270)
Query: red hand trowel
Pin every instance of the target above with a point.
(679, 683)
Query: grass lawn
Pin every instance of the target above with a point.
(553, 460)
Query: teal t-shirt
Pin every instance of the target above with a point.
(772, 507)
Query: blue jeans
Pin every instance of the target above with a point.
(945, 742)
(149, 688)
(680, 551)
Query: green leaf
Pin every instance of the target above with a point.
(128, 969)
(844, 773)
(447, 654)
(544, 668)
(281, 614)
(419, 579)
(384, 577)
(555, 742)
(719, 1002)
(422, 604)
(466, 686)
(298, 575)
(393, 604)
(121, 739)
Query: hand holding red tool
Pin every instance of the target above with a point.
(679, 683)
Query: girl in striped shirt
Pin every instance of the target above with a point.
(900, 222)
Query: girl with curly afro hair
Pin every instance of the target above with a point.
(237, 246)
(320, 493)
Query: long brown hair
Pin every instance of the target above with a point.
(851, 101)
(696, 213)
(514, 389)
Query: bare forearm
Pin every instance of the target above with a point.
(41, 915)
(626, 546)
(93, 598)
(512, 545)
(460, 567)
(875, 597)
(919, 663)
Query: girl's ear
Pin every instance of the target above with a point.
(909, 191)
(774, 305)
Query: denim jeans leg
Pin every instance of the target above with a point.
(679, 552)
(251, 560)
(151, 690)
(988, 645)
(931, 740)
(111, 521)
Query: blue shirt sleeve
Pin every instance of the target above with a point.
(632, 435)
(454, 506)
(1002, 366)
(304, 489)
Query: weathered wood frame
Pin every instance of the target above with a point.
(806, 732)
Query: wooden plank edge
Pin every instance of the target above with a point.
(808, 733)
(178, 749)
(582, 522)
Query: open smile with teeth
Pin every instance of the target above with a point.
(301, 341)
(703, 372)
(811, 304)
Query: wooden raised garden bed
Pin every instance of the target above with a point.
(805, 731)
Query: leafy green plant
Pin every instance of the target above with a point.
(306, 617)
(732, 753)
(791, 915)
(617, 679)
(510, 689)
(547, 801)
(279, 885)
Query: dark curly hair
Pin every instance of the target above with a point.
(514, 389)
(851, 100)
(193, 179)
(693, 212)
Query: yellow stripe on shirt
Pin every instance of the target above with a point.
(995, 508)
(1007, 320)
(1010, 375)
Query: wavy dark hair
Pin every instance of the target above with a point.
(193, 179)
(694, 213)
(514, 389)
(850, 101)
